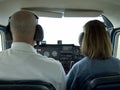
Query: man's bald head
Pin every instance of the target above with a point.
(23, 24)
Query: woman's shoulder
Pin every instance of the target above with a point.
(114, 58)
(83, 61)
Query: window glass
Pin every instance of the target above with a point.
(65, 29)
(2, 39)
(0, 42)
(118, 48)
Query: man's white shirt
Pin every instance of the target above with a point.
(22, 61)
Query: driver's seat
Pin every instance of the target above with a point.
(25, 85)
(105, 83)
(102, 82)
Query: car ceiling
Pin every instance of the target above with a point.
(110, 8)
(76, 4)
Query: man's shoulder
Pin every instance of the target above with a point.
(4, 51)
(48, 59)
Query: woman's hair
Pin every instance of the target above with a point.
(96, 42)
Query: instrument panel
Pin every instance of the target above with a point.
(67, 54)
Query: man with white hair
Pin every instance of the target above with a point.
(22, 61)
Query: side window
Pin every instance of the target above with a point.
(116, 45)
(2, 40)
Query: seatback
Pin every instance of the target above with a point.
(25, 85)
(104, 81)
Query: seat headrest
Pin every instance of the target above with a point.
(39, 34)
(81, 38)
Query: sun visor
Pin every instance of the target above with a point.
(60, 12)
(82, 13)
(43, 12)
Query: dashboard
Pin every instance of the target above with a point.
(67, 54)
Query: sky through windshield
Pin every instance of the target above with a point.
(65, 29)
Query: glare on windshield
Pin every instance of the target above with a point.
(65, 29)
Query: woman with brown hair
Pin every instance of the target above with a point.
(97, 49)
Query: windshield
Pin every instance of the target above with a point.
(65, 29)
